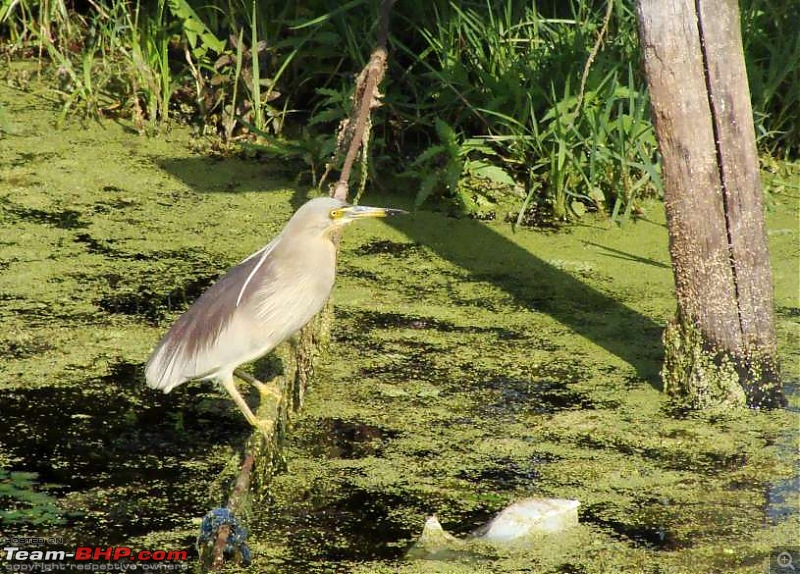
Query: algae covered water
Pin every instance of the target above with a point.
(469, 367)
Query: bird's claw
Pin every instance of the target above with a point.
(265, 426)
(268, 389)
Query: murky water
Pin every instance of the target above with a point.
(783, 496)
(118, 459)
(469, 367)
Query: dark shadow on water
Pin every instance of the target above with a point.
(346, 439)
(625, 256)
(646, 528)
(115, 454)
(535, 284)
(240, 175)
(235, 175)
(373, 530)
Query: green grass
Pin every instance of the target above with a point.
(469, 84)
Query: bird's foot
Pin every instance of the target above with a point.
(270, 389)
(265, 389)
(265, 426)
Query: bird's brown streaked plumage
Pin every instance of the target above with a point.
(258, 304)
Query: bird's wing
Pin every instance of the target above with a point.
(215, 332)
(261, 257)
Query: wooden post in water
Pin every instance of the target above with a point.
(721, 346)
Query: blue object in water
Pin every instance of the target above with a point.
(237, 537)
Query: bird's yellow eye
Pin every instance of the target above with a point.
(336, 213)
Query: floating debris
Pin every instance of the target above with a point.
(518, 523)
(435, 543)
(530, 516)
(235, 544)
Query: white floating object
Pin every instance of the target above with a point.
(435, 543)
(518, 523)
(433, 531)
(530, 516)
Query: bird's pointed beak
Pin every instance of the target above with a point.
(363, 211)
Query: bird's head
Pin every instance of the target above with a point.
(326, 213)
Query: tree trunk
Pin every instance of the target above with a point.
(721, 346)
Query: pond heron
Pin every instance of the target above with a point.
(258, 304)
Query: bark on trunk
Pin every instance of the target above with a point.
(721, 347)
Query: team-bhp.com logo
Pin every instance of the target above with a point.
(94, 558)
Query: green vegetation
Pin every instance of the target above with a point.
(24, 501)
(772, 55)
(469, 366)
(498, 98)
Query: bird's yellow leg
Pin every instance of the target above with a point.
(263, 425)
(266, 389)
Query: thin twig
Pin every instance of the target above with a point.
(367, 98)
(366, 88)
(383, 33)
(593, 54)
